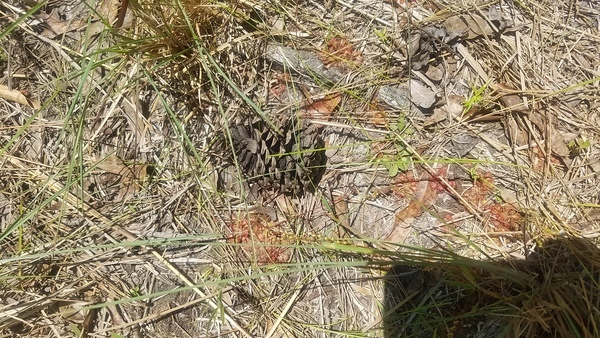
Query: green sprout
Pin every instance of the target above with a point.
(135, 291)
(476, 98)
(578, 145)
(382, 35)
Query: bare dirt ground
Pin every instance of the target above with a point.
(299, 169)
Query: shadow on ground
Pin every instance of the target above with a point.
(555, 292)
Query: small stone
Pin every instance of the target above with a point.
(464, 143)
(434, 73)
(400, 98)
(421, 95)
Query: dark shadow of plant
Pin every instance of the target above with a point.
(555, 292)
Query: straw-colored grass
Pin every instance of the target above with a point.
(460, 196)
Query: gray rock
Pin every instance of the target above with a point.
(303, 62)
(401, 96)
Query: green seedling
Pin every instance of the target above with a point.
(474, 174)
(476, 97)
(135, 291)
(382, 35)
(578, 145)
(400, 161)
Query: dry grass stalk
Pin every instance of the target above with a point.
(116, 125)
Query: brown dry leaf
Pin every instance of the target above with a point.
(514, 103)
(399, 233)
(517, 135)
(546, 125)
(57, 27)
(456, 26)
(18, 97)
(510, 99)
(478, 26)
(89, 322)
(558, 144)
(76, 310)
(593, 214)
(423, 198)
(540, 118)
(439, 115)
(130, 176)
(73, 311)
(433, 73)
(378, 118)
(114, 165)
(451, 110)
(467, 26)
(322, 108)
(110, 9)
(342, 214)
(515, 131)
(454, 105)
(482, 114)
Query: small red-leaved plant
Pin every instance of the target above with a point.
(263, 241)
(502, 216)
(339, 52)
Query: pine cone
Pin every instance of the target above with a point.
(290, 160)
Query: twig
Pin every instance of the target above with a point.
(73, 201)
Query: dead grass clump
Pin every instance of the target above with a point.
(450, 129)
(201, 53)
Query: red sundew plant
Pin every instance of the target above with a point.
(262, 240)
(406, 184)
(502, 216)
(339, 51)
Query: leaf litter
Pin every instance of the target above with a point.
(441, 124)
